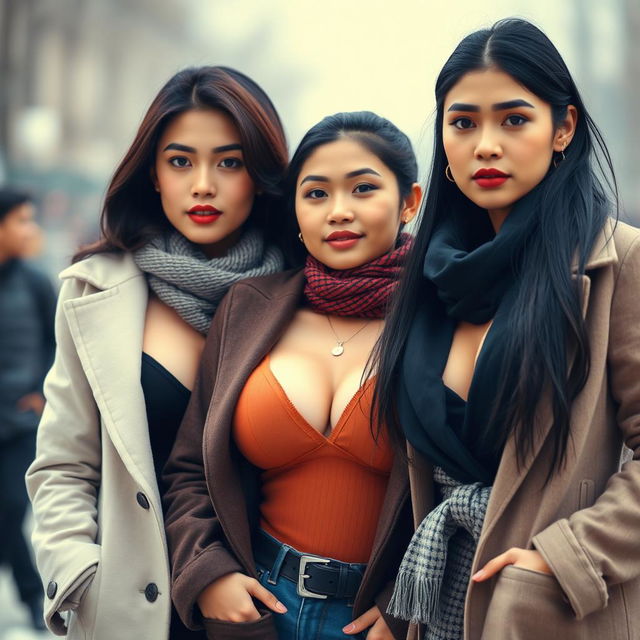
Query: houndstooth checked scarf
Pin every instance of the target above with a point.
(363, 291)
(434, 574)
(192, 284)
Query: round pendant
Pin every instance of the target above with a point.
(338, 350)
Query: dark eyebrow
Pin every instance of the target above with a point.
(236, 146)
(511, 104)
(499, 106)
(315, 179)
(359, 172)
(179, 147)
(461, 106)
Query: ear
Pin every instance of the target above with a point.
(564, 133)
(411, 204)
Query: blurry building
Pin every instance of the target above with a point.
(76, 78)
(606, 39)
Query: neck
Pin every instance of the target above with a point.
(497, 217)
(222, 247)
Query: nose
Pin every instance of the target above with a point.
(203, 184)
(340, 212)
(488, 145)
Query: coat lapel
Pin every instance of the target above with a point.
(255, 332)
(107, 329)
(509, 476)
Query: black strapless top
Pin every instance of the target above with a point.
(456, 410)
(166, 399)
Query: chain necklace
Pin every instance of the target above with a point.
(338, 348)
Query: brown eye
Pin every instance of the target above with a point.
(316, 194)
(365, 188)
(180, 162)
(231, 163)
(463, 123)
(515, 120)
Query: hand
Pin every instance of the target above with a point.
(371, 618)
(230, 598)
(32, 402)
(525, 558)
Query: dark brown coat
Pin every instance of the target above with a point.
(213, 496)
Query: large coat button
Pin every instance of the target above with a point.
(142, 500)
(52, 589)
(151, 592)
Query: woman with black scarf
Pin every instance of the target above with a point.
(511, 361)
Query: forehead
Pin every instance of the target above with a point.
(489, 86)
(341, 156)
(204, 126)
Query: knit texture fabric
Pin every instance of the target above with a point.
(363, 291)
(432, 582)
(192, 284)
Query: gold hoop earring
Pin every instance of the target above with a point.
(448, 174)
(300, 237)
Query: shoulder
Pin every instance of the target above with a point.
(103, 270)
(276, 285)
(626, 239)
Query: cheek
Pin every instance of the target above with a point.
(168, 183)
(241, 188)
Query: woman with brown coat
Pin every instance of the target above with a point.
(511, 362)
(281, 492)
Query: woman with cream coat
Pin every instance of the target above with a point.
(186, 215)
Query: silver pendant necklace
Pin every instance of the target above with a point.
(338, 348)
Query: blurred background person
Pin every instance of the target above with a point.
(27, 308)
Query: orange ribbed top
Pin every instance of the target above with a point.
(321, 495)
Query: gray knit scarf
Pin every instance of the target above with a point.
(432, 582)
(192, 284)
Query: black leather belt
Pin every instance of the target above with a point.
(316, 577)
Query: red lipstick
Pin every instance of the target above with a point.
(343, 239)
(203, 213)
(490, 178)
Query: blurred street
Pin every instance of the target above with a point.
(14, 619)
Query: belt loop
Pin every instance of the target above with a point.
(343, 577)
(274, 574)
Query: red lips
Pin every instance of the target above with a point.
(490, 178)
(203, 213)
(342, 239)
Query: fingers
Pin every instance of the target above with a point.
(497, 564)
(363, 622)
(265, 596)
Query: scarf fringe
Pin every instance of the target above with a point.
(415, 598)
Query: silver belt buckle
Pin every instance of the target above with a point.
(302, 576)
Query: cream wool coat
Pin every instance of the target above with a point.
(586, 521)
(99, 534)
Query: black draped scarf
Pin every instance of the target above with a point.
(470, 274)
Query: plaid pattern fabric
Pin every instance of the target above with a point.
(363, 291)
(434, 574)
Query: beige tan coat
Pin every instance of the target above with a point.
(586, 521)
(99, 533)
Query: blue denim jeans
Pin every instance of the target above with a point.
(307, 618)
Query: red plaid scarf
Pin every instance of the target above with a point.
(363, 291)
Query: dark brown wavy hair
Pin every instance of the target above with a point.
(132, 211)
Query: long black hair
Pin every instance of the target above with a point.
(375, 133)
(546, 319)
